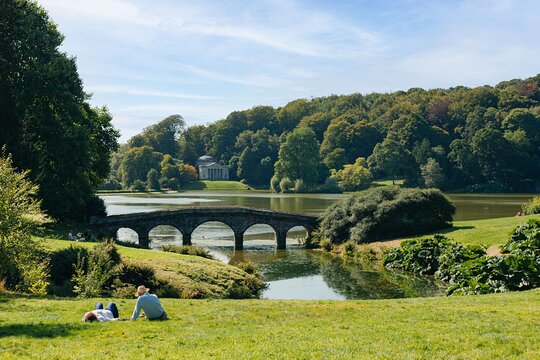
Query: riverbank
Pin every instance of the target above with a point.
(490, 233)
(489, 326)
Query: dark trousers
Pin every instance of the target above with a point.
(110, 306)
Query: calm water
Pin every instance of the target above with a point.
(297, 273)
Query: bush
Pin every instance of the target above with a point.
(326, 245)
(300, 186)
(349, 249)
(286, 185)
(274, 184)
(330, 186)
(62, 264)
(188, 250)
(111, 184)
(133, 274)
(383, 213)
(532, 206)
(152, 180)
(93, 275)
(21, 258)
(249, 268)
(467, 269)
(138, 185)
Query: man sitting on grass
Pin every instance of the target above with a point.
(110, 313)
(150, 304)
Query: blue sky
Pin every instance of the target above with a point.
(146, 60)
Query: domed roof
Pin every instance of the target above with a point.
(206, 158)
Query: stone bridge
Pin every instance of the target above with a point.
(186, 220)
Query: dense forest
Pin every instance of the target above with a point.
(483, 139)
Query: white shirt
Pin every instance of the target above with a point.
(104, 315)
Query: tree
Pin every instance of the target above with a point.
(152, 180)
(299, 157)
(432, 174)
(45, 114)
(20, 214)
(260, 150)
(391, 158)
(354, 177)
(137, 163)
(161, 137)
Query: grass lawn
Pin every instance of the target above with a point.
(498, 326)
(214, 185)
(484, 232)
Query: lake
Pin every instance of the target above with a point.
(297, 273)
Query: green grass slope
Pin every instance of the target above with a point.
(214, 185)
(498, 326)
(196, 276)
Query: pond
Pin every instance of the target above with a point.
(297, 273)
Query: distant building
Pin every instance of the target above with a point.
(210, 169)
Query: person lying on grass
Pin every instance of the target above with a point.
(149, 303)
(110, 313)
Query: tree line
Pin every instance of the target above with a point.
(482, 139)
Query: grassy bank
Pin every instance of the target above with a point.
(195, 276)
(490, 326)
(214, 185)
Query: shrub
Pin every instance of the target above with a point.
(300, 186)
(133, 274)
(62, 263)
(326, 245)
(274, 184)
(152, 180)
(138, 185)
(20, 215)
(111, 183)
(467, 269)
(188, 250)
(491, 187)
(94, 273)
(532, 206)
(286, 185)
(383, 213)
(349, 249)
(330, 186)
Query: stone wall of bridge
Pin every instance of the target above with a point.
(186, 220)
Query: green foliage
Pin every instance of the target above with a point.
(326, 245)
(467, 269)
(300, 186)
(188, 250)
(532, 206)
(349, 249)
(139, 185)
(62, 270)
(391, 158)
(22, 264)
(432, 174)
(274, 184)
(354, 177)
(152, 180)
(136, 164)
(161, 137)
(47, 122)
(383, 213)
(286, 185)
(299, 157)
(111, 183)
(94, 273)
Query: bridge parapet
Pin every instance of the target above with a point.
(186, 220)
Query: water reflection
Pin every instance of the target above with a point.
(298, 273)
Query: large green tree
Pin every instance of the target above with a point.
(162, 137)
(299, 157)
(47, 123)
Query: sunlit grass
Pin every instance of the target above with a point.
(500, 326)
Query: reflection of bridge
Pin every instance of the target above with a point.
(186, 220)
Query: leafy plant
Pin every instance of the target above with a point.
(188, 250)
(532, 206)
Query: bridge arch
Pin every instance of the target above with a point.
(212, 229)
(298, 234)
(260, 231)
(126, 234)
(164, 234)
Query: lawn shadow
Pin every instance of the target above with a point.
(38, 330)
